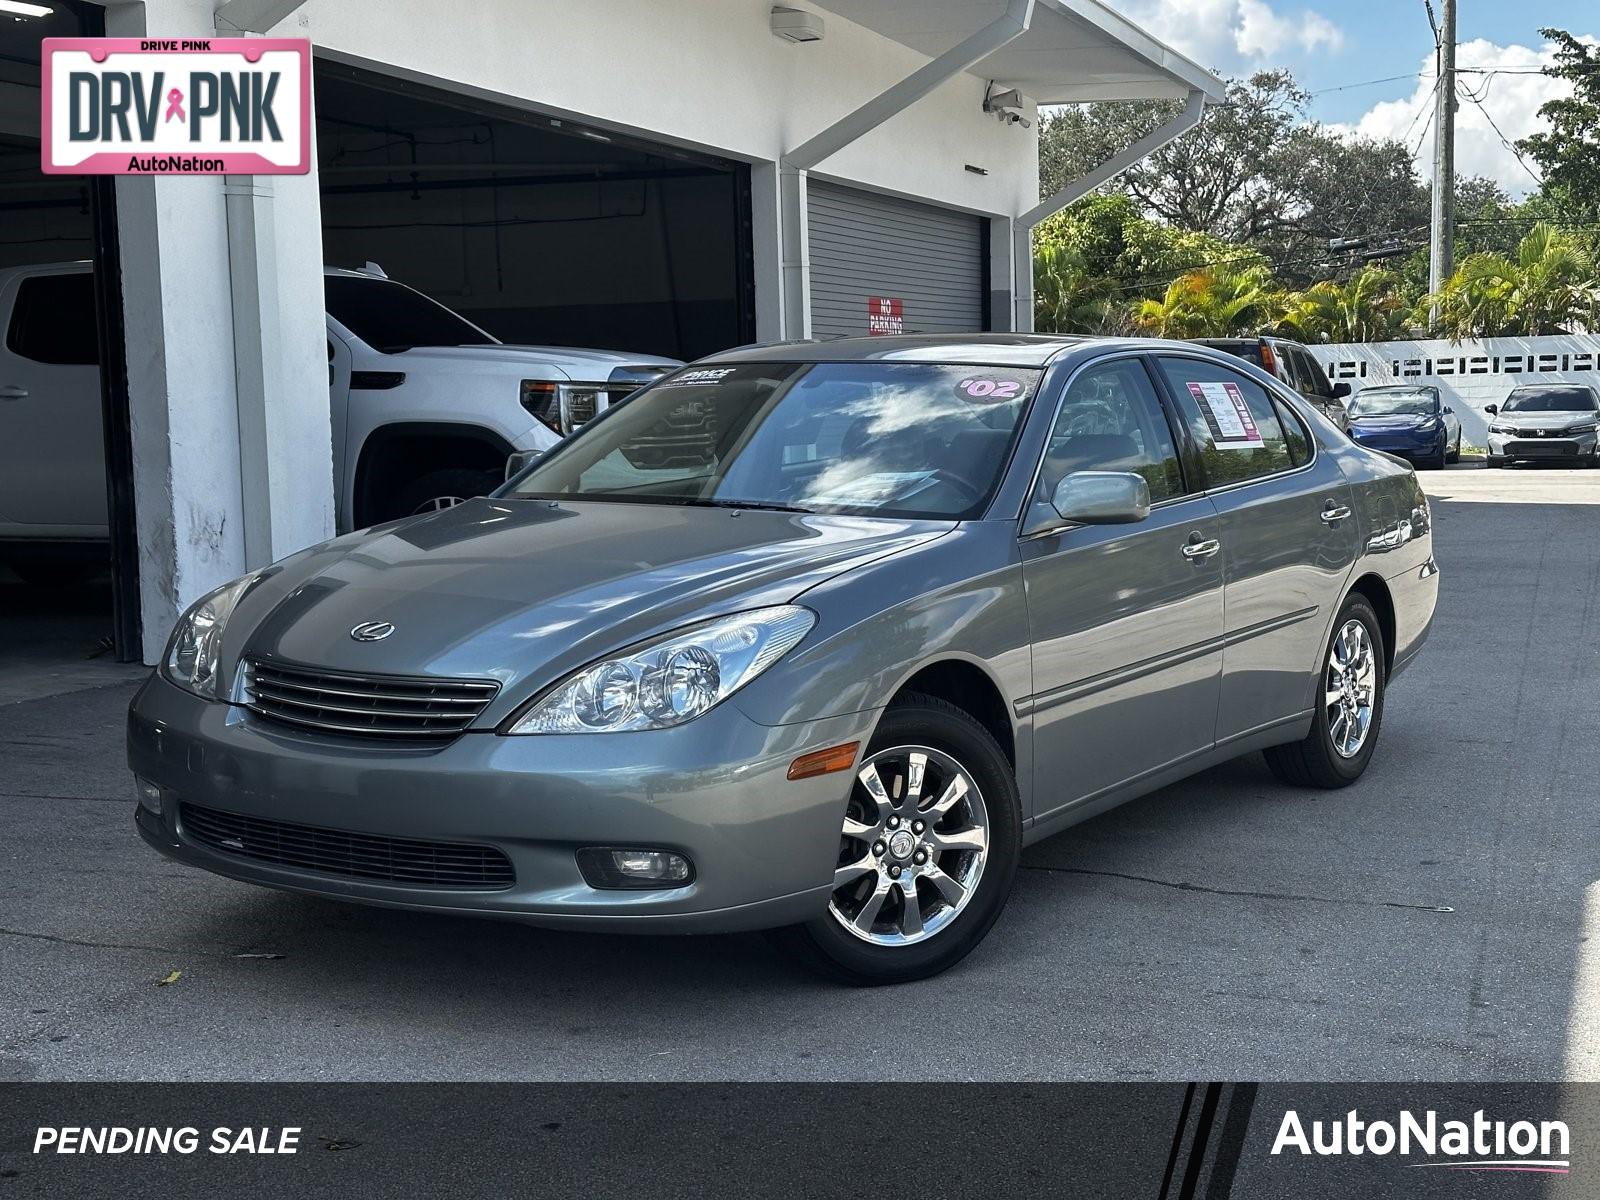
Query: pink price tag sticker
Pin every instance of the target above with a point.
(985, 390)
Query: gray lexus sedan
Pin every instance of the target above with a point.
(808, 637)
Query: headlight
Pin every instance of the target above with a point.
(1501, 429)
(191, 660)
(1591, 427)
(671, 680)
(564, 408)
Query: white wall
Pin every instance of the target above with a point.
(1470, 374)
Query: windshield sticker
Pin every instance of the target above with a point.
(984, 390)
(1228, 417)
(704, 375)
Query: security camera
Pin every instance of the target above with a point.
(1006, 106)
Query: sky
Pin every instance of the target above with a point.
(1331, 45)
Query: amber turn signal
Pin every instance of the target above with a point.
(824, 762)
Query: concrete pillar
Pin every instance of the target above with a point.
(766, 238)
(1002, 316)
(227, 364)
(796, 252)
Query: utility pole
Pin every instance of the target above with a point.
(1441, 243)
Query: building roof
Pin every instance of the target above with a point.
(1074, 51)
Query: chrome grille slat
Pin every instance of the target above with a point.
(377, 706)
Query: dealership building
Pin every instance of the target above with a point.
(670, 177)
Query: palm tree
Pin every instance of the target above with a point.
(1213, 302)
(1368, 308)
(1549, 287)
(1066, 299)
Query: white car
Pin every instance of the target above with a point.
(426, 406)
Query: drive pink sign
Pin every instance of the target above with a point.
(170, 106)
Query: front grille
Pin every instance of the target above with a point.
(388, 706)
(1559, 449)
(404, 861)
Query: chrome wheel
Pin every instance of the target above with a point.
(1351, 689)
(913, 846)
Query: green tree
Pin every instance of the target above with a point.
(1548, 286)
(1367, 308)
(1214, 302)
(1569, 152)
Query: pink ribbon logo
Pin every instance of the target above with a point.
(175, 106)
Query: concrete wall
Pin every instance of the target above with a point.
(1470, 374)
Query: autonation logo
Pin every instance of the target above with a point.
(1476, 1145)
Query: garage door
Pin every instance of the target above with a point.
(865, 246)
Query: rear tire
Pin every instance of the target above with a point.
(1455, 455)
(441, 489)
(944, 930)
(1328, 756)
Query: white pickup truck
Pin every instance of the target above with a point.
(426, 406)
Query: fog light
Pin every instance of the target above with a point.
(607, 867)
(149, 795)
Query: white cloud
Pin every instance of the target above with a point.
(1512, 99)
(1230, 34)
(1263, 33)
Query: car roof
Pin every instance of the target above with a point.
(996, 349)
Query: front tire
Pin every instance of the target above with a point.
(1455, 455)
(928, 851)
(1349, 713)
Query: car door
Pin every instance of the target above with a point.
(1287, 532)
(52, 456)
(1126, 620)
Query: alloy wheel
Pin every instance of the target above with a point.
(1351, 690)
(437, 504)
(913, 846)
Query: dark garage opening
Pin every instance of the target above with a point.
(68, 558)
(541, 231)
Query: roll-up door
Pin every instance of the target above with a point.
(867, 249)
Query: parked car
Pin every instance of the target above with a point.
(426, 406)
(1292, 363)
(930, 599)
(1543, 422)
(1410, 420)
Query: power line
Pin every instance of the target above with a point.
(1504, 141)
(1345, 87)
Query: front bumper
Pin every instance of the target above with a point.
(763, 847)
(1404, 443)
(1576, 448)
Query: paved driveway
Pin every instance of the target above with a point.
(1441, 920)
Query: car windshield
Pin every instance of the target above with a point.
(391, 317)
(1401, 402)
(1550, 400)
(891, 439)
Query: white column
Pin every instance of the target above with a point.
(796, 252)
(227, 365)
(766, 238)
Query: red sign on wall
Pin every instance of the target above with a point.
(885, 315)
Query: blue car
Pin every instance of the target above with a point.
(1409, 420)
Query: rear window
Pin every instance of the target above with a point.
(391, 317)
(53, 321)
(1249, 351)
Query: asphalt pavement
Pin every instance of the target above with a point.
(1438, 921)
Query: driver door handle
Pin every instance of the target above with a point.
(1334, 513)
(1203, 548)
(11, 391)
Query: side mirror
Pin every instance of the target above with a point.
(520, 461)
(1491, 409)
(1341, 390)
(1101, 498)
(1448, 411)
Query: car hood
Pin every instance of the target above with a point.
(524, 591)
(588, 366)
(1544, 420)
(1390, 421)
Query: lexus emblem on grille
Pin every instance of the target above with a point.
(372, 631)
